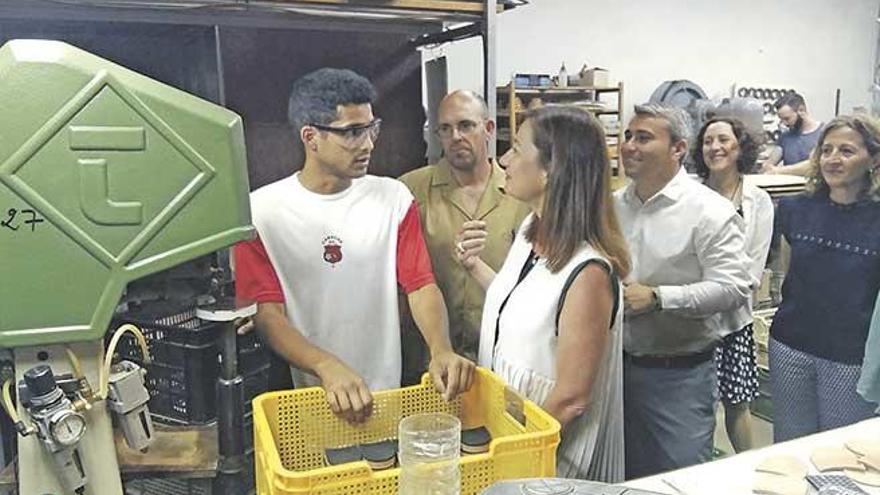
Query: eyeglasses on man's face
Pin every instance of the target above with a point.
(354, 135)
(463, 127)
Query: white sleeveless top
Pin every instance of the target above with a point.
(525, 357)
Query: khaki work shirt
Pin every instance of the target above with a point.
(442, 211)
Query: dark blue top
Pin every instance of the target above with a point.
(833, 278)
(796, 147)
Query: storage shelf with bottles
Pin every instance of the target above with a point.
(605, 102)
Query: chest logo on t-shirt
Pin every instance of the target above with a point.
(332, 249)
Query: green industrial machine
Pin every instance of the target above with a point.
(105, 176)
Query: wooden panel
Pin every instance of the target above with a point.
(179, 55)
(189, 451)
(186, 452)
(261, 64)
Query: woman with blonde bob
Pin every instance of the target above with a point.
(819, 332)
(553, 314)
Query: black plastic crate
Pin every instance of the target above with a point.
(169, 338)
(249, 434)
(255, 383)
(169, 486)
(185, 363)
(182, 377)
(187, 394)
(252, 358)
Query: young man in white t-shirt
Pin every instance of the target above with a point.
(333, 245)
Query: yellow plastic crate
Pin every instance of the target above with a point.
(293, 428)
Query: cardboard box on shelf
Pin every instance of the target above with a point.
(595, 77)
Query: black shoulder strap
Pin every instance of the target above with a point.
(526, 268)
(615, 288)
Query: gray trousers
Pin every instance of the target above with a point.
(669, 416)
(811, 394)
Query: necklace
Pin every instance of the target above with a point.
(733, 196)
(736, 190)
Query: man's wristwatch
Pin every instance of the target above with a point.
(657, 302)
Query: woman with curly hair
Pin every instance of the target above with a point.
(723, 152)
(817, 340)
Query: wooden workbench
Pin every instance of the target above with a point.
(176, 452)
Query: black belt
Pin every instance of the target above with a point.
(685, 361)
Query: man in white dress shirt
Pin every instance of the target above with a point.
(687, 248)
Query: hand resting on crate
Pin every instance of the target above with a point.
(345, 390)
(451, 373)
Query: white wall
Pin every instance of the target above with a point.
(814, 46)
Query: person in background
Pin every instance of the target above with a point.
(724, 150)
(818, 335)
(552, 322)
(792, 156)
(869, 381)
(462, 188)
(688, 250)
(333, 245)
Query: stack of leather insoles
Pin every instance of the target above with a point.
(859, 460)
(379, 455)
(867, 451)
(383, 455)
(475, 441)
(781, 475)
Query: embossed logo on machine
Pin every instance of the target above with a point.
(94, 177)
(131, 170)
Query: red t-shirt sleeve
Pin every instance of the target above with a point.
(413, 262)
(255, 277)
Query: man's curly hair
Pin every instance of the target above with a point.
(316, 96)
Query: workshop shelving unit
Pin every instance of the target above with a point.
(605, 102)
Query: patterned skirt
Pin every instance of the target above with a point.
(737, 367)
